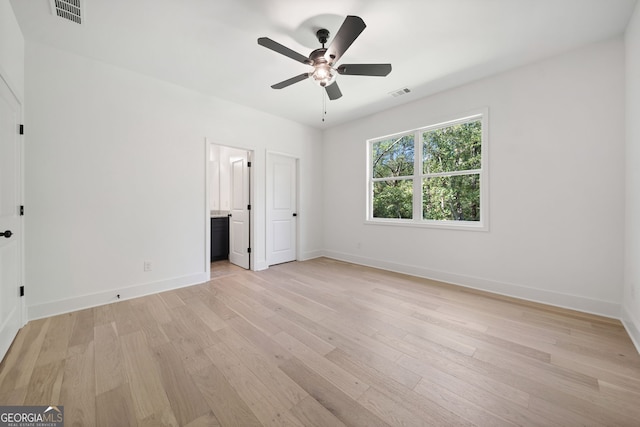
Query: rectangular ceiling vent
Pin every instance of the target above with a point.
(68, 9)
(400, 92)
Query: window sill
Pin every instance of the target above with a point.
(445, 225)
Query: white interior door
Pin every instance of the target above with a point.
(10, 224)
(239, 219)
(281, 208)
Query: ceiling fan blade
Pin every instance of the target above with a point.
(290, 81)
(283, 50)
(348, 32)
(333, 91)
(364, 69)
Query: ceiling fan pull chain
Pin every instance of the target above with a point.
(324, 104)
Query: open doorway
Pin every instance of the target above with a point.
(229, 206)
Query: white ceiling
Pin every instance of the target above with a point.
(210, 45)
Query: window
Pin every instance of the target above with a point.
(434, 176)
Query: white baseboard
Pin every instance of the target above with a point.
(574, 302)
(632, 325)
(305, 256)
(100, 298)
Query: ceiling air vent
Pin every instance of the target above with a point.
(67, 9)
(399, 92)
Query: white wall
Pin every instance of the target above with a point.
(116, 176)
(214, 177)
(632, 227)
(11, 50)
(556, 159)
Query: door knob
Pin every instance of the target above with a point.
(6, 234)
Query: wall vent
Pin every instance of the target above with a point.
(400, 92)
(68, 9)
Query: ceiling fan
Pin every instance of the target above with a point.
(323, 60)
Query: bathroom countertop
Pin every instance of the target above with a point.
(219, 214)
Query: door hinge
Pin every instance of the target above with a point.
(21, 129)
(249, 250)
(248, 164)
(21, 210)
(248, 207)
(21, 291)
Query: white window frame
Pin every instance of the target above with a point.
(419, 176)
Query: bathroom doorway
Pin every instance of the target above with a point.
(229, 205)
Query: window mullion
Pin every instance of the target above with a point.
(392, 178)
(417, 177)
(454, 173)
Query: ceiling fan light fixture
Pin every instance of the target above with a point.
(324, 75)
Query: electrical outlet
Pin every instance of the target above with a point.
(147, 266)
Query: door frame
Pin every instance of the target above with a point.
(207, 202)
(22, 310)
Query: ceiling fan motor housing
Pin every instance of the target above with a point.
(323, 35)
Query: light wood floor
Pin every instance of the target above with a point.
(325, 343)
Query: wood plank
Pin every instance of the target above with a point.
(227, 406)
(206, 314)
(310, 340)
(150, 326)
(192, 361)
(13, 396)
(425, 358)
(186, 401)
(143, 373)
(171, 299)
(349, 384)
(109, 364)
(77, 394)
(114, 407)
(56, 342)
(563, 379)
(82, 332)
(496, 405)
(259, 320)
(261, 400)
(44, 384)
(422, 409)
(274, 352)
(17, 367)
(218, 307)
(103, 314)
(207, 420)
(125, 318)
(557, 414)
(343, 407)
(312, 414)
(157, 308)
(454, 403)
(345, 329)
(391, 411)
(260, 363)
